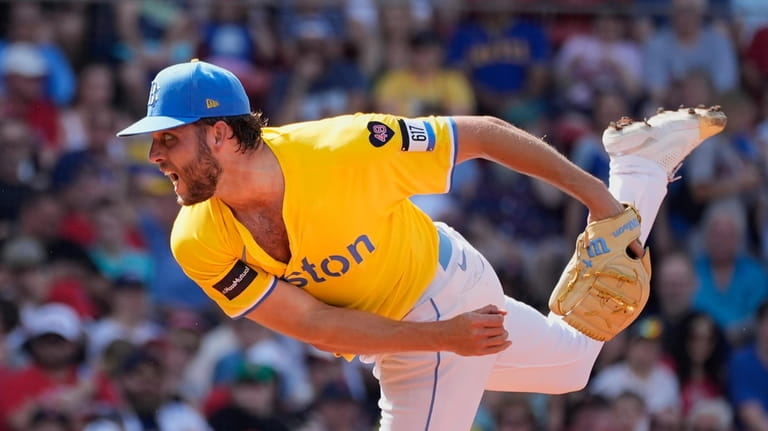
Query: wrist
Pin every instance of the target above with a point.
(436, 337)
(592, 192)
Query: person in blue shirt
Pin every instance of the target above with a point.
(748, 377)
(504, 57)
(732, 283)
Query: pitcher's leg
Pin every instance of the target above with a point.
(546, 356)
(431, 391)
(641, 183)
(645, 155)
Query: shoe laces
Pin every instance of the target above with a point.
(672, 177)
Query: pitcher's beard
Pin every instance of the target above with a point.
(200, 176)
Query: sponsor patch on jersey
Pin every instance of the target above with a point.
(236, 280)
(418, 135)
(380, 133)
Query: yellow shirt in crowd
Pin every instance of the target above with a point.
(356, 240)
(403, 92)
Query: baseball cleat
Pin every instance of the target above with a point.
(667, 137)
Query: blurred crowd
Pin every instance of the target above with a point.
(101, 331)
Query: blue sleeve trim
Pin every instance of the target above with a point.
(430, 136)
(259, 300)
(454, 151)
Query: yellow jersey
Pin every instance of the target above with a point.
(355, 238)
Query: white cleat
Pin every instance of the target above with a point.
(667, 137)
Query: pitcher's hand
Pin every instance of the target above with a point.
(478, 332)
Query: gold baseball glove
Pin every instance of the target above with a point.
(603, 289)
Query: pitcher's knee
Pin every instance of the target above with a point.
(575, 382)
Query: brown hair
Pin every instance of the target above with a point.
(246, 128)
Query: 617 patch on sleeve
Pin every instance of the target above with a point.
(418, 135)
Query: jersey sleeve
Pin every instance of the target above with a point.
(211, 257)
(416, 155)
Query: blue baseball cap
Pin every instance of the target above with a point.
(186, 92)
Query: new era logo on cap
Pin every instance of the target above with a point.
(186, 92)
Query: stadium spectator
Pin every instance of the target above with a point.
(710, 415)
(112, 250)
(295, 17)
(49, 420)
(96, 95)
(336, 410)
(514, 413)
(732, 283)
(28, 284)
(183, 332)
(253, 402)
(148, 406)
(688, 45)
(229, 34)
(748, 377)
(147, 35)
(631, 413)
(699, 359)
(254, 343)
(41, 215)
(79, 192)
(288, 359)
(150, 36)
(424, 87)
(747, 18)
(240, 37)
(673, 287)
(643, 371)
(100, 156)
(24, 70)
(603, 60)
(526, 209)
(17, 171)
(506, 59)
(128, 318)
(323, 369)
(73, 277)
(52, 380)
(318, 81)
(391, 32)
(28, 25)
(9, 322)
(755, 64)
(593, 413)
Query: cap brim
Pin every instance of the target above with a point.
(155, 124)
(63, 333)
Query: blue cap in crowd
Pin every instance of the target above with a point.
(186, 92)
